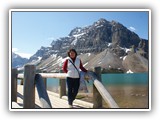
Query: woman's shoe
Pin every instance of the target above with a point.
(70, 106)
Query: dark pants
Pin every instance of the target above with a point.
(73, 86)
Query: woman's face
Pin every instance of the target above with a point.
(72, 54)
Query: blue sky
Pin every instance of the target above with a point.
(31, 30)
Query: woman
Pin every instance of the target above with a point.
(71, 66)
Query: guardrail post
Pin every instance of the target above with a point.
(45, 79)
(21, 82)
(97, 99)
(29, 86)
(14, 85)
(45, 82)
(62, 86)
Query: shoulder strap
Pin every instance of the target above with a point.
(75, 67)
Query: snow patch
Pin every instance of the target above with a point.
(20, 68)
(39, 58)
(129, 71)
(109, 44)
(124, 57)
(99, 26)
(74, 42)
(120, 57)
(85, 64)
(64, 59)
(127, 50)
(76, 36)
(88, 54)
(54, 55)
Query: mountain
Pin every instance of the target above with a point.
(18, 61)
(107, 44)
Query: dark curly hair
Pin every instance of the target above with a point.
(72, 50)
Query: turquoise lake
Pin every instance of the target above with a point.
(111, 79)
(125, 79)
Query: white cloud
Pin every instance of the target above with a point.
(14, 49)
(24, 55)
(132, 28)
(51, 38)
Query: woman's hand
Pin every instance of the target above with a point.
(86, 77)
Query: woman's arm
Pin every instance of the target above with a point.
(82, 68)
(65, 66)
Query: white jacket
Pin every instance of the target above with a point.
(72, 71)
